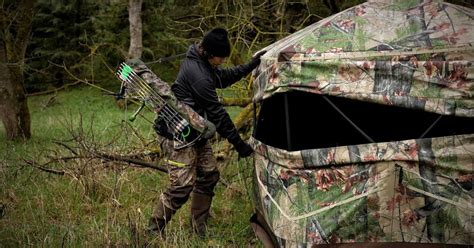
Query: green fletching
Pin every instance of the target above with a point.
(125, 71)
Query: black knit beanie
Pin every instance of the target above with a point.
(216, 43)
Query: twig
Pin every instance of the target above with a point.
(65, 146)
(53, 90)
(32, 163)
(81, 80)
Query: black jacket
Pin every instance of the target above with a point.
(196, 86)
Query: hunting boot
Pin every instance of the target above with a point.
(161, 215)
(200, 206)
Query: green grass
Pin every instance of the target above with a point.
(103, 204)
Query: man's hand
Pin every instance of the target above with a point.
(243, 149)
(256, 59)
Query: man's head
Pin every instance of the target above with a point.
(217, 46)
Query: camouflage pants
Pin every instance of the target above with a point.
(191, 169)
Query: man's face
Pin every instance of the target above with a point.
(216, 61)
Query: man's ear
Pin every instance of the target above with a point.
(203, 52)
(206, 55)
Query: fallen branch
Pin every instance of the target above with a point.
(130, 160)
(96, 155)
(107, 157)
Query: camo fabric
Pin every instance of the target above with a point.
(413, 54)
(164, 90)
(416, 191)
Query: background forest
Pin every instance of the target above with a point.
(84, 175)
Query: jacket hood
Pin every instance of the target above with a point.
(193, 53)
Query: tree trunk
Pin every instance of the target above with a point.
(134, 17)
(15, 24)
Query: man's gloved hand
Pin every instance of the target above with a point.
(243, 149)
(256, 59)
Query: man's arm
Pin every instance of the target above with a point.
(206, 96)
(232, 75)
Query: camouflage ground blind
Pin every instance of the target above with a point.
(381, 192)
(413, 54)
(416, 54)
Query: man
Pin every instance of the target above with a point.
(194, 169)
